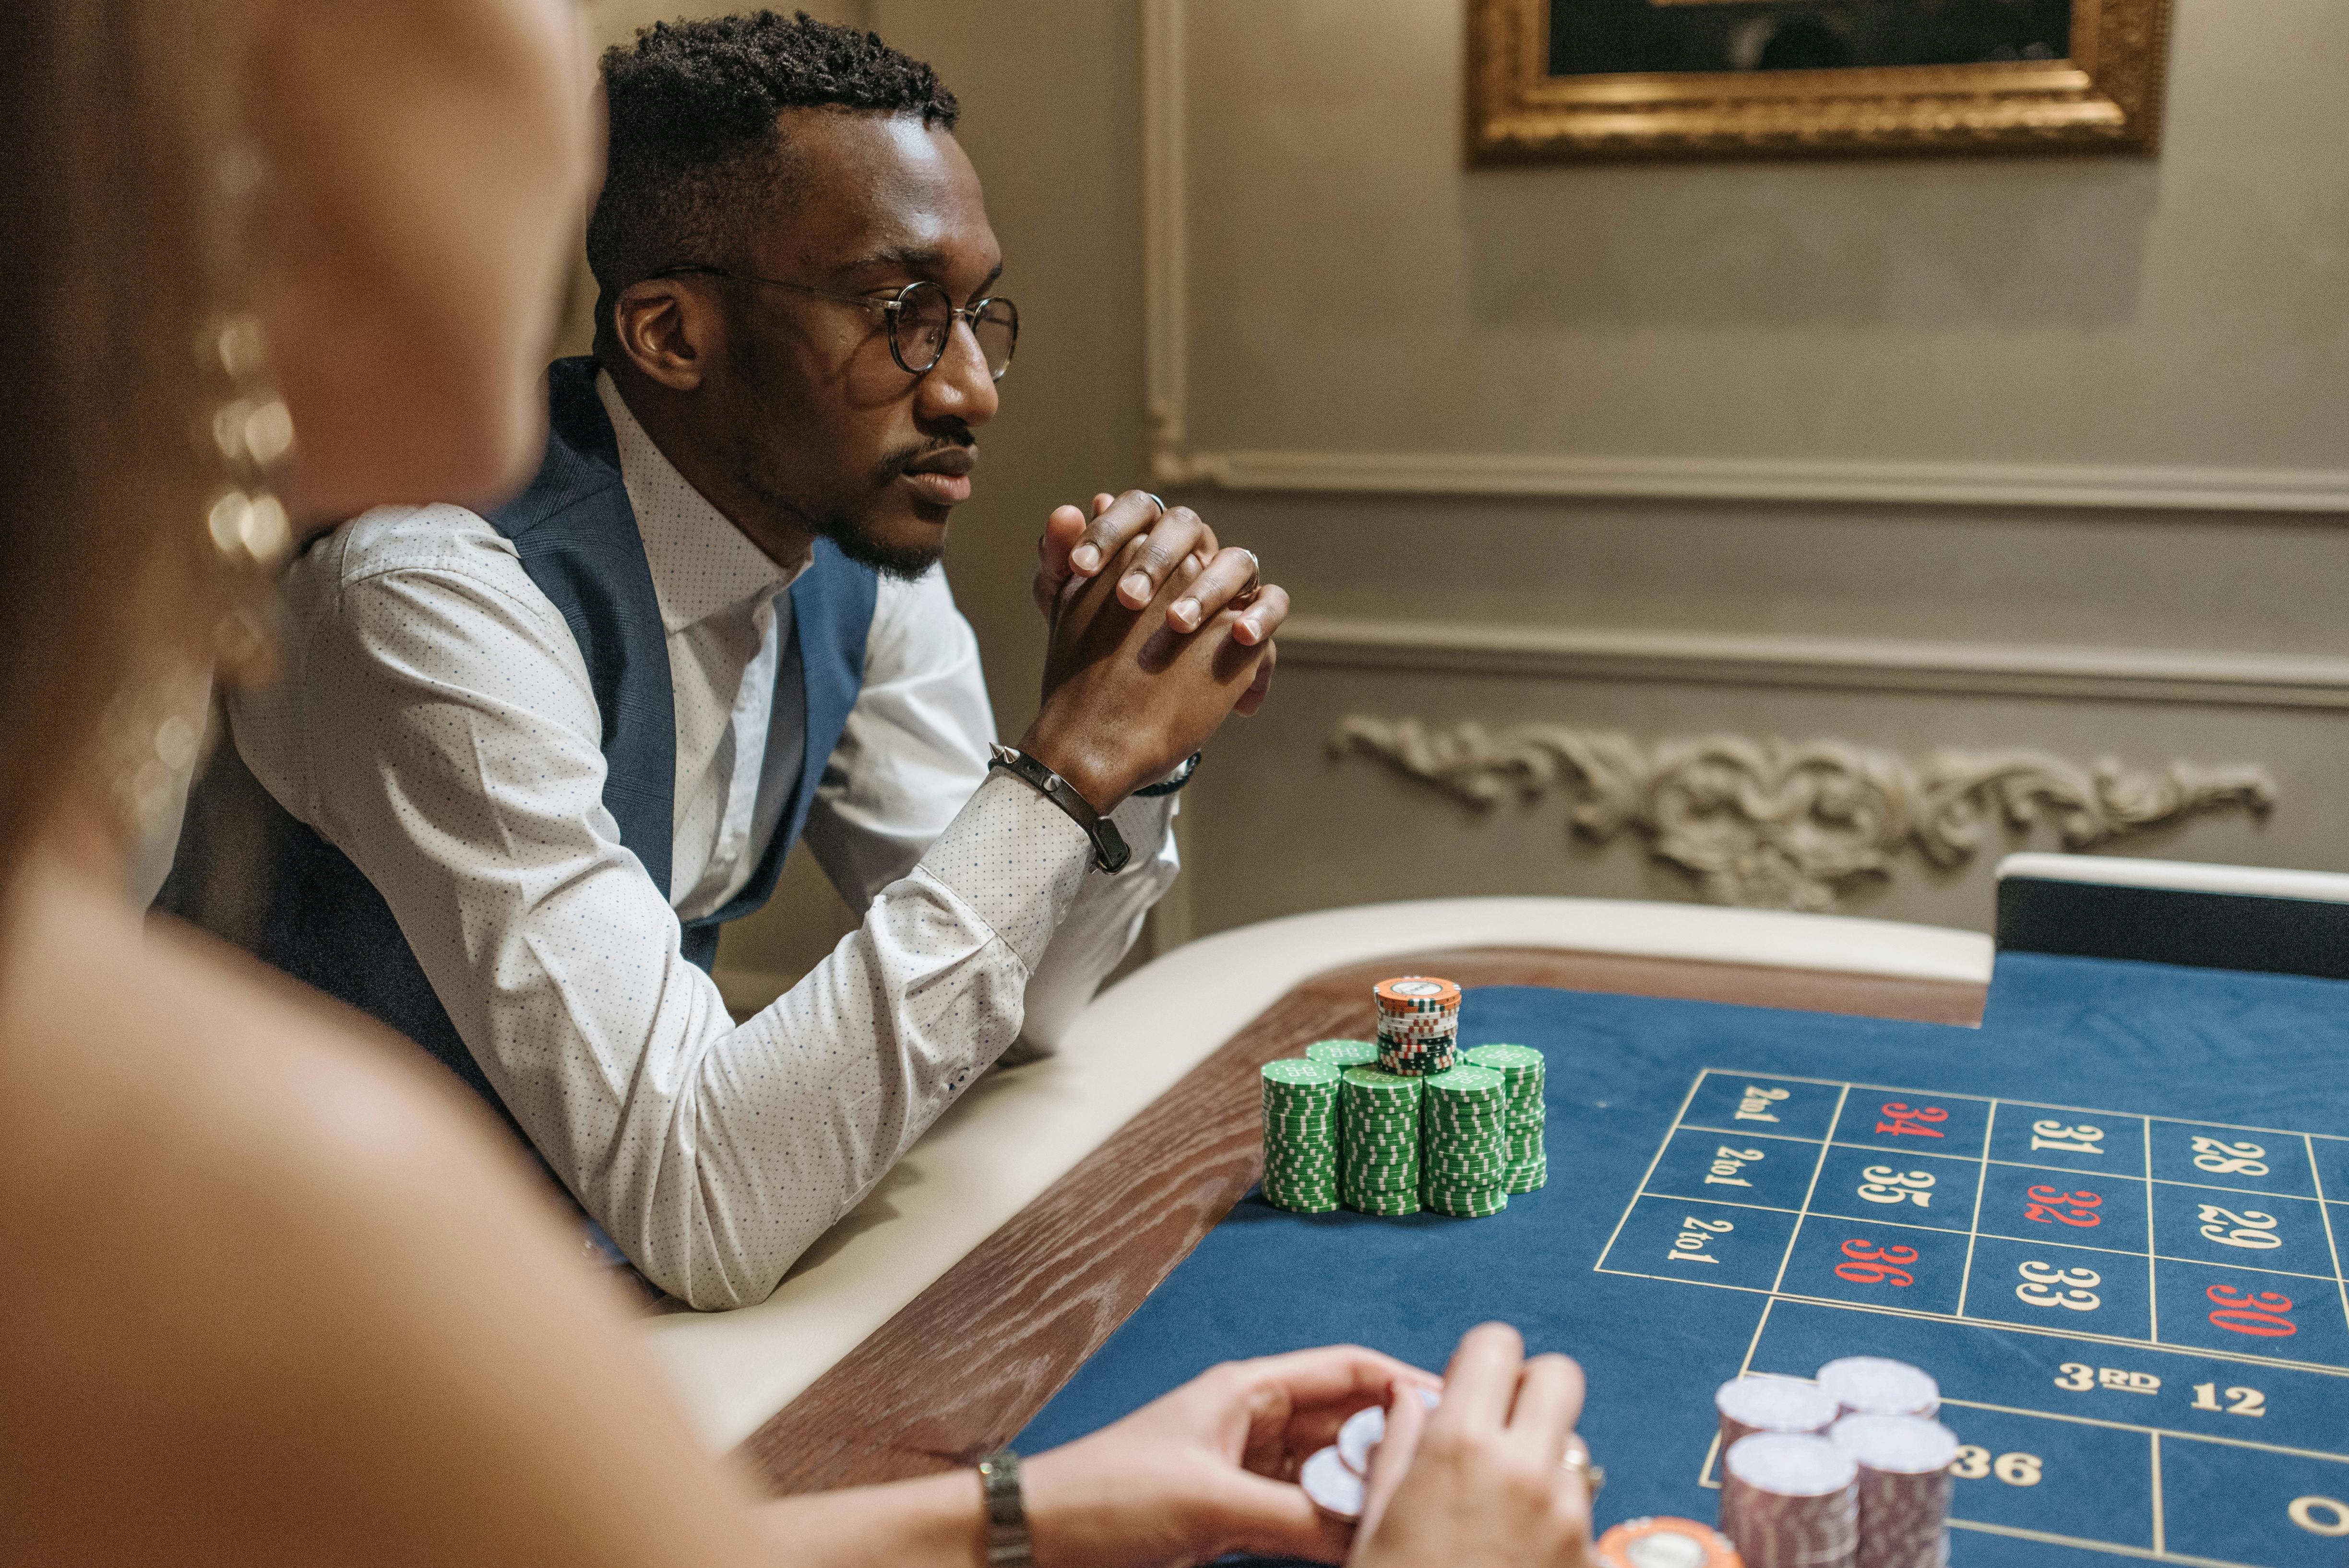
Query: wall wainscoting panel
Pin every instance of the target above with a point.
(1178, 459)
(1853, 664)
(1765, 822)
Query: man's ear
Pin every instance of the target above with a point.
(670, 329)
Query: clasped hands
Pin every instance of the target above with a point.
(1157, 632)
(1210, 1468)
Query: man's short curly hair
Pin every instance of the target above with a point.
(695, 140)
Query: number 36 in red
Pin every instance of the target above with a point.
(1865, 1263)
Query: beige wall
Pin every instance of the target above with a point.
(2031, 456)
(1758, 450)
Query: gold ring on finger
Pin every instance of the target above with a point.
(1578, 1460)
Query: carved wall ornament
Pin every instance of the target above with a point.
(1770, 823)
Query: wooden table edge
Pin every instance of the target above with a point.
(967, 1363)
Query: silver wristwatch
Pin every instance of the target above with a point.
(1006, 1517)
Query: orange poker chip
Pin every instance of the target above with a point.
(1415, 994)
(1665, 1543)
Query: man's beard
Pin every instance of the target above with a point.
(855, 537)
(851, 532)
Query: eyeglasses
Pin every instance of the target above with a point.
(921, 319)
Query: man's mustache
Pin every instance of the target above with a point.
(898, 464)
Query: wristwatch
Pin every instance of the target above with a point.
(1110, 852)
(1174, 781)
(1008, 1545)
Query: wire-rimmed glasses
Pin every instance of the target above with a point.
(921, 319)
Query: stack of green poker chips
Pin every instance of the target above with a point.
(1344, 1053)
(1378, 1119)
(1463, 1142)
(1300, 1136)
(1522, 1069)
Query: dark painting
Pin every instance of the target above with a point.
(1593, 38)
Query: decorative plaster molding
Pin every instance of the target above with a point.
(1173, 462)
(1769, 823)
(1847, 663)
(1751, 478)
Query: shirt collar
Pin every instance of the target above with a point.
(701, 563)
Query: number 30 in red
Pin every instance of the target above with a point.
(1867, 1264)
(2261, 1314)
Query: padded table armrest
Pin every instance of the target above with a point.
(1019, 1130)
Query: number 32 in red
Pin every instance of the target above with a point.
(1865, 1263)
(2048, 1205)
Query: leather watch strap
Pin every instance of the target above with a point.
(1110, 851)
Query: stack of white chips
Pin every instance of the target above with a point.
(1790, 1499)
(1904, 1487)
(1872, 1493)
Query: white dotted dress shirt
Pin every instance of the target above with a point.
(436, 724)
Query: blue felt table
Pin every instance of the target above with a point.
(2169, 1410)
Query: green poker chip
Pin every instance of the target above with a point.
(1343, 1054)
(1504, 1059)
(1302, 1134)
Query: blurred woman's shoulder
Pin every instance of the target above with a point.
(276, 1293)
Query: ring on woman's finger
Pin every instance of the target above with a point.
(1156, 502)
(1578, 1460)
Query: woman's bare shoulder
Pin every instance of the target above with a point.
(253, 1238)
(192, 1073)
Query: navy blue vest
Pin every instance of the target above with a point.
(577, 538)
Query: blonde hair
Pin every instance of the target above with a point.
(117, 133)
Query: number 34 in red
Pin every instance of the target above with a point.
(1865, 1263)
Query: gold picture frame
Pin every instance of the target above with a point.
(2105, 97)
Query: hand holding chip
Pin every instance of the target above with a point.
(1208, 1469)
(1482, 1480)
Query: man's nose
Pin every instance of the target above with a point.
(959, 386)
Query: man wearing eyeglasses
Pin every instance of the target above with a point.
(539, 757)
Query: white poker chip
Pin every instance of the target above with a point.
(1359, 1438)
(1335, 1490)
(1364, 1430)
(1875, 1385)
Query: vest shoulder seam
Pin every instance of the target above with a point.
(571, 501)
